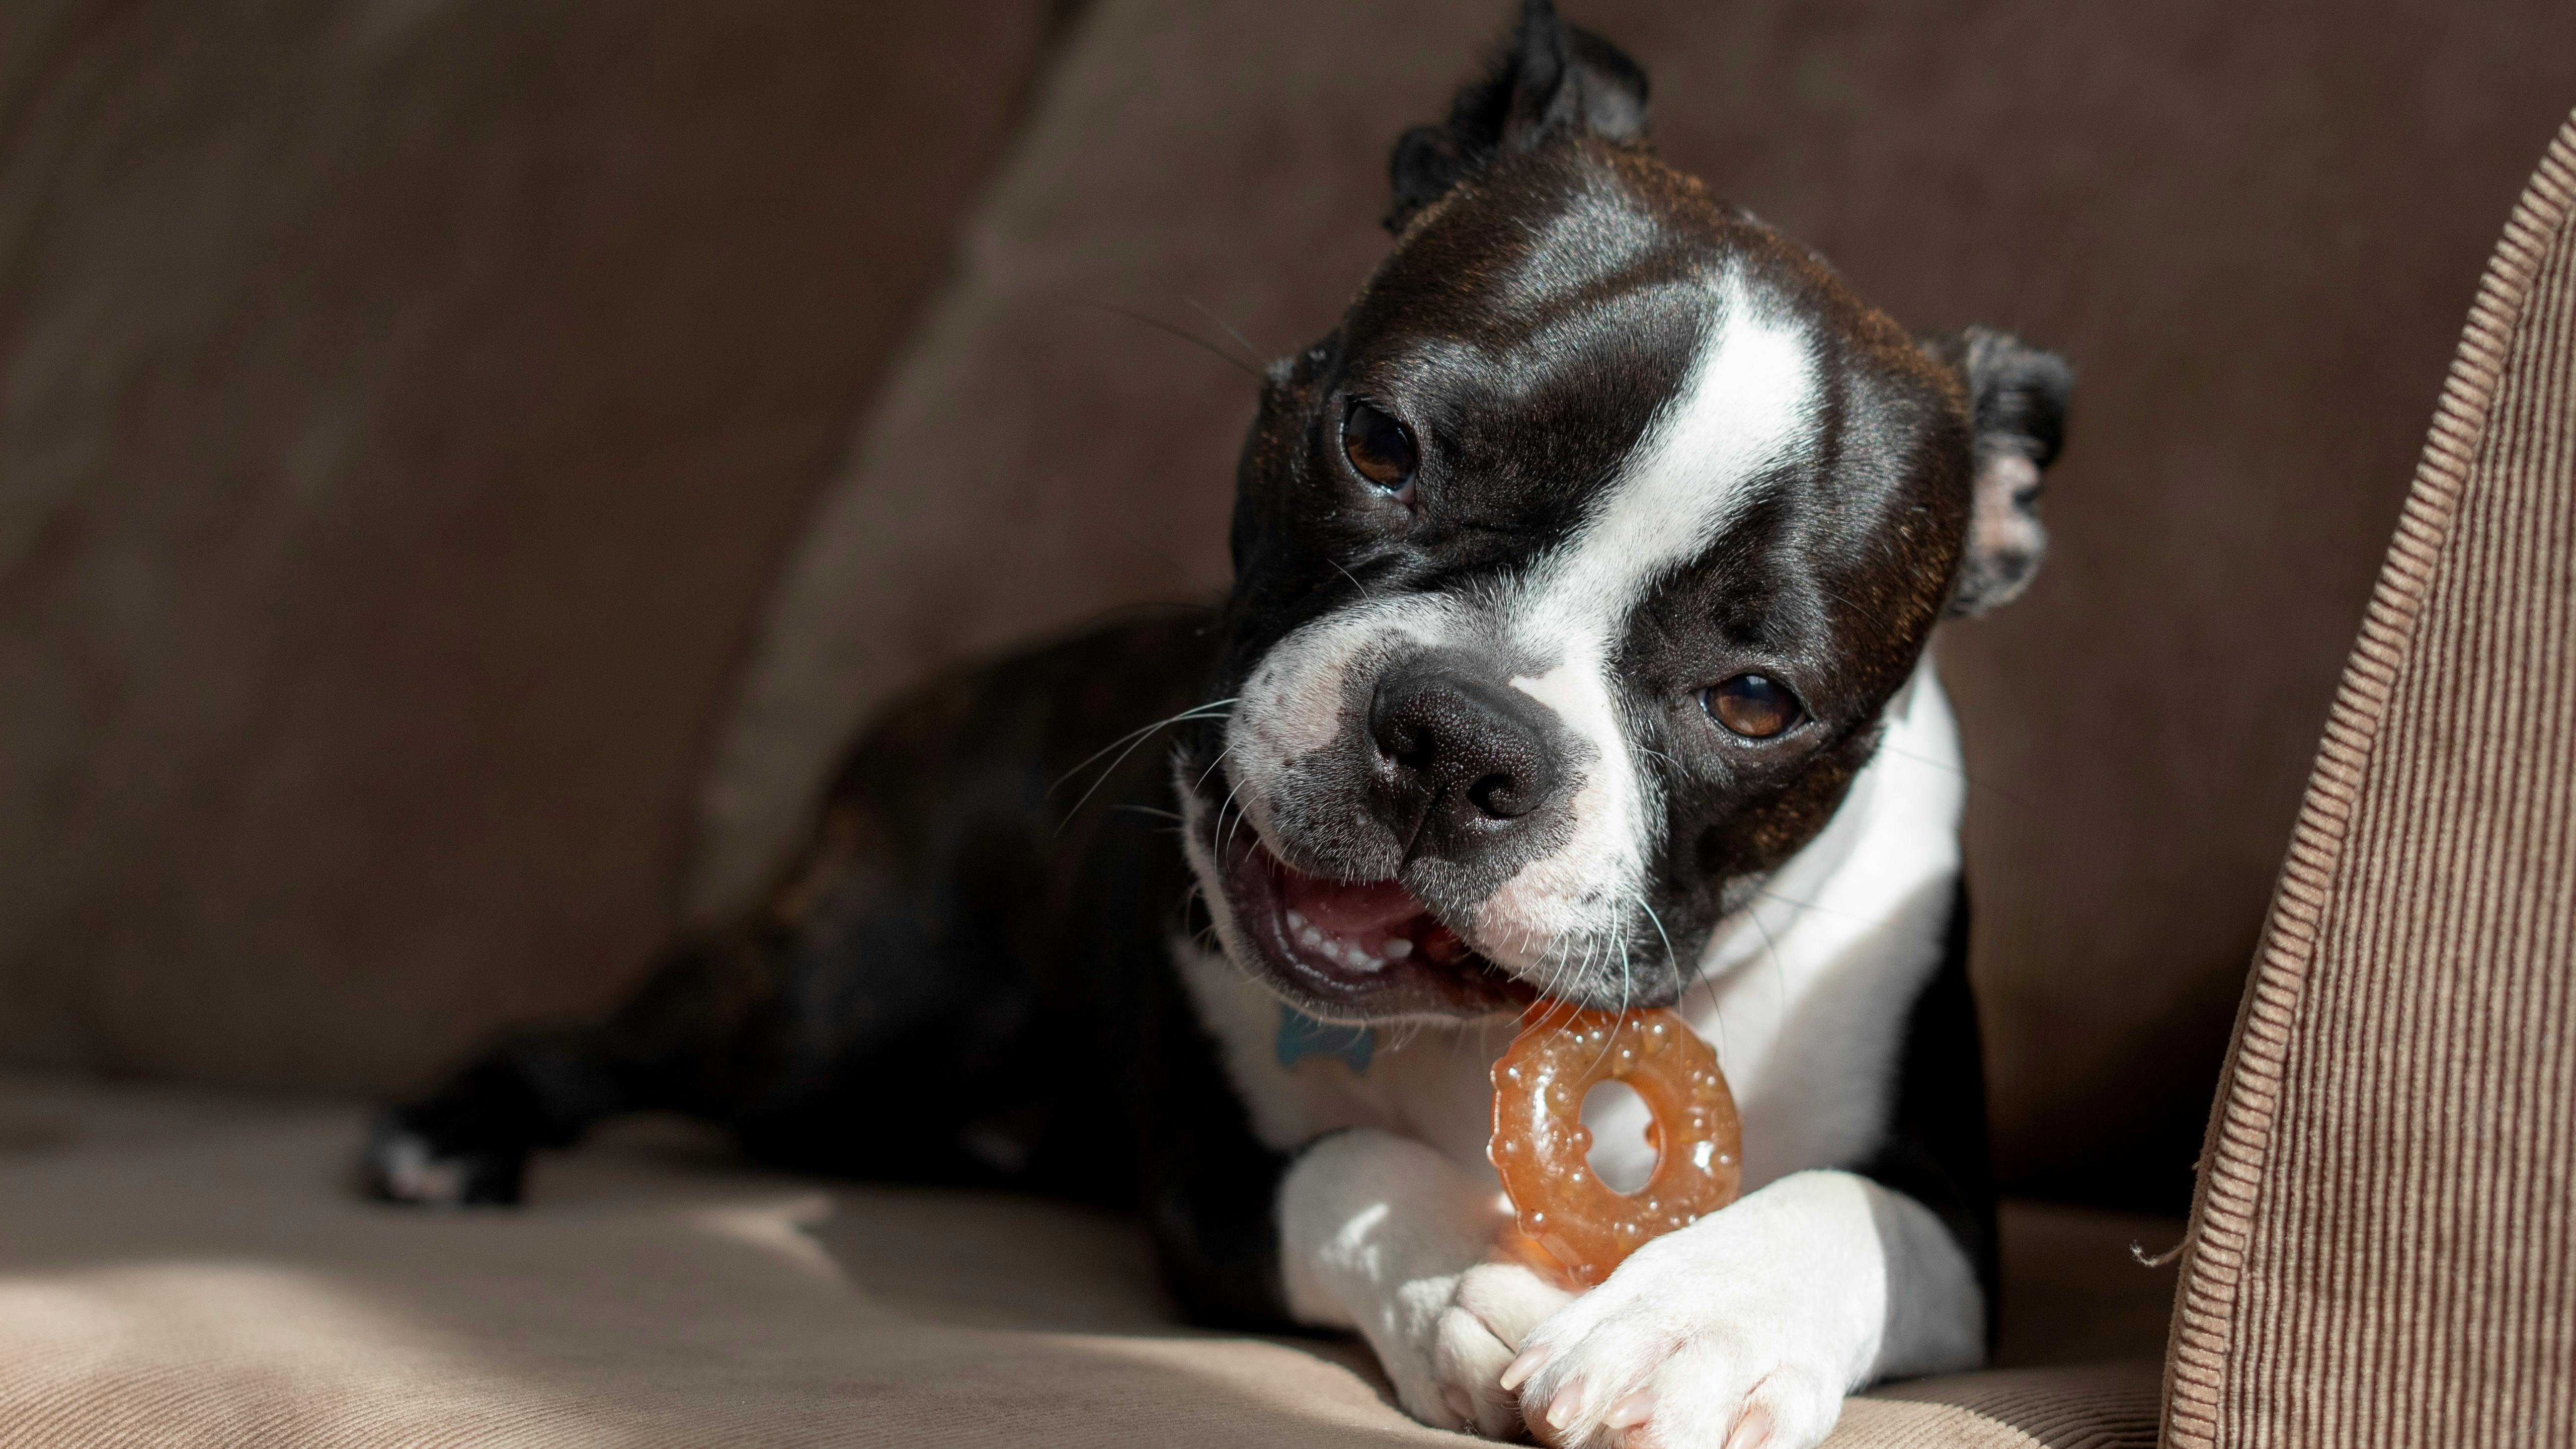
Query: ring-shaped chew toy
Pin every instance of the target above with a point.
(1540, 1143)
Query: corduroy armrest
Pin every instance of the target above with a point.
(2383, 1248)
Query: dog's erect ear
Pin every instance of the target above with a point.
(2017, 396)
(1551, 76)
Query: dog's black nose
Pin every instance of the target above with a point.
(1460, 760)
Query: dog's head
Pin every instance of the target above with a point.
(1575, 568)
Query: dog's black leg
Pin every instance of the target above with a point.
(1212, 1203)
(849, 1025)
(1935, 1150)
(926, 992)
(469, 1141)
(1210, 1187)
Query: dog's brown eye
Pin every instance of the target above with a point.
(1378, 446)
(1755, 706)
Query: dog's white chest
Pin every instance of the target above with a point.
(1432, 1083)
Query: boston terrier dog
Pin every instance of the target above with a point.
(1576, 649)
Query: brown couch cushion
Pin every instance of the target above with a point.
(402, 408)
(191, 1270)
(405, 407)
(2382, 1249)
(2251, 228)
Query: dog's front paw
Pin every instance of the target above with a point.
(1741, 1331)
(1641, 1375)
(1472, 1326)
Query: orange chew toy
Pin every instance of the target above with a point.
(1540, 1142)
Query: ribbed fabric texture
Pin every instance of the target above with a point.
(2099, 1406)
(2383, 1250)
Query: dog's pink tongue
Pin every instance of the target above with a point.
(1349, 910)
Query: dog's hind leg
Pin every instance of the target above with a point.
(669, 1047)
(843, 1025)
(953, 946)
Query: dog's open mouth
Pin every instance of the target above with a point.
(1368, 947)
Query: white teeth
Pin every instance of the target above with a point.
(1350, 955)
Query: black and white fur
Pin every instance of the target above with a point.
(1651, 449)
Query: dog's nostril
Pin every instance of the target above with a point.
(1499, 796)
(1416, 751)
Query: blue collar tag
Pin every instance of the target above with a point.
(1302, 1036)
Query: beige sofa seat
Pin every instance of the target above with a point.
(190, 1268)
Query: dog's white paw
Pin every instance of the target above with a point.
(1640, 1378)
(1452, 1378)
(1382, 1234)
(404, 1165)
(1742, 1331)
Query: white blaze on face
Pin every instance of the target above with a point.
(1746, 407)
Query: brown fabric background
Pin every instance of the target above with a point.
(2253, 228)
(2383, 1250)
(403, 410)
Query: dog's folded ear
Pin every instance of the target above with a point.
(2017, 397)
(1550, 77)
